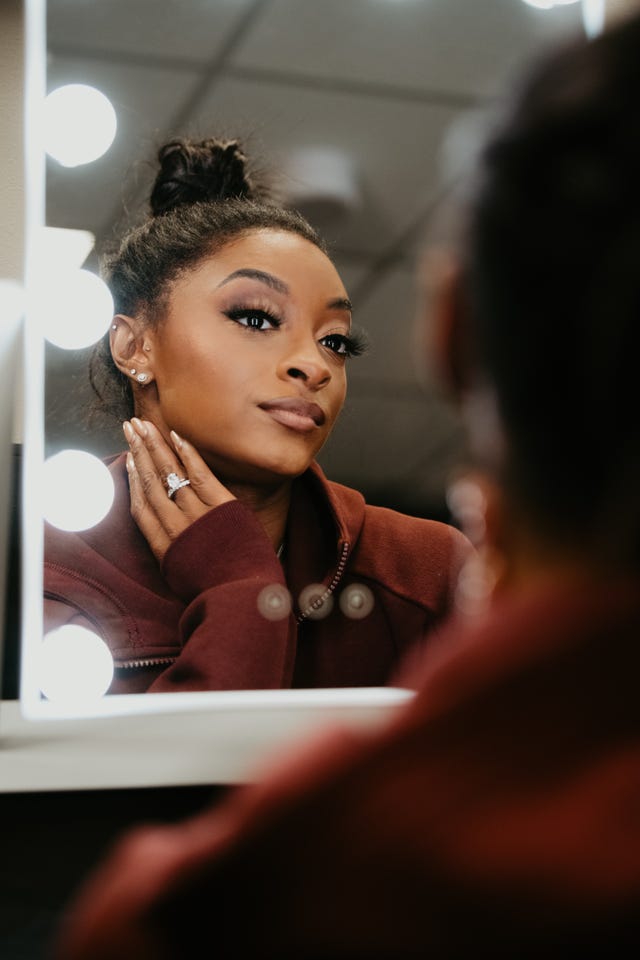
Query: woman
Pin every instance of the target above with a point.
(220, 562)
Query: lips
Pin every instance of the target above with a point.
(295, 413)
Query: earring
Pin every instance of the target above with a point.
(142, 377)
(132, 371)
(114, 326)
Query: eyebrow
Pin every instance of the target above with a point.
(260, 275)
(340, 303)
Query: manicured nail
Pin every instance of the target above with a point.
(131, 464)
(140, 426)
(177, 440)
(128, 431)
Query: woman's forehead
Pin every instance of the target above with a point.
(279, 253)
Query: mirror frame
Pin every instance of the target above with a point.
(133, 739)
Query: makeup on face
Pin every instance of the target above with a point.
(250, 360)
(251, 308)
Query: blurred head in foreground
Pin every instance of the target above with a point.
(540, 324)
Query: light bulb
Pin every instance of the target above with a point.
(79, 124)
(78, 490)
(74, 307)
(74, 665)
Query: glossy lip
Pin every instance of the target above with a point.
(294, 412)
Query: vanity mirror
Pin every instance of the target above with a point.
(367, 111)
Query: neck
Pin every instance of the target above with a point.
(270, 505)
(269, 502)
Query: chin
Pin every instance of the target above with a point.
(262, 459)
(267, 471)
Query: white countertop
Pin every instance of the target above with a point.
(175, 739)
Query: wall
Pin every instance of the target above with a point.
(11, 140)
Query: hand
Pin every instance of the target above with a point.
(149, 461)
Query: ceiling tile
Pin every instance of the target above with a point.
(189, 29)
(393, 146)
(461, 47)
(386, 310)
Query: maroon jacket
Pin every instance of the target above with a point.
(195, 623)
(498, 815)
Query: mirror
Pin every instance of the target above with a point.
(390, 90)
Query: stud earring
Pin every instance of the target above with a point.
(132, 371)
(114, 326)
(142, 378)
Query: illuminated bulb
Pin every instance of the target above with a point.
(74, 665)
(74, 307)
(78, 490)
(468, 505)
(79, 124)
(274, 602)
(356, 601)
(314, 601)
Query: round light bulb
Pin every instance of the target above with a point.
(74, 665)
(75, 307)
(79, 124)
(78, 490)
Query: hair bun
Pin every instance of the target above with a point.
(206, 170)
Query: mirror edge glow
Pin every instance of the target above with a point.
(32, 533)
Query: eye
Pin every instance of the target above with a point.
(342, 345)
(252, 319)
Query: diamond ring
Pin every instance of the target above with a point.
(174, 483)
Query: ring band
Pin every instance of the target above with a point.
(174, 483)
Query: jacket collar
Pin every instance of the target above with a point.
(325, 521)
(346, 506)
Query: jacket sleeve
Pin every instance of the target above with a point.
(237, 631)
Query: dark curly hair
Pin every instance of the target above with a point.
(204, 195)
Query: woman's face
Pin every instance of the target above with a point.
(249, 361)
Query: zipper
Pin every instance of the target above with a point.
(148, 662)
(334, 583)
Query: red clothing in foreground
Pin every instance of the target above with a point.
(195, 624)
(499, 814)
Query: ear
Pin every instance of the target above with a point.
(131, 349)
(448, 320)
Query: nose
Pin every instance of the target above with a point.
(305, 362)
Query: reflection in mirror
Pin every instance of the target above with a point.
(367, 138)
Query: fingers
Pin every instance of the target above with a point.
(150, 461)
(147, 520)
(154, 461)
(203, 482)
(159, 519)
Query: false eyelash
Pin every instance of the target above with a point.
(356, 343)
(234, 313)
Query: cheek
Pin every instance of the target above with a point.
(191, 370)
(339, 396)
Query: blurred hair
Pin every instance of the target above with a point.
(203, 197)
(553, 288)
